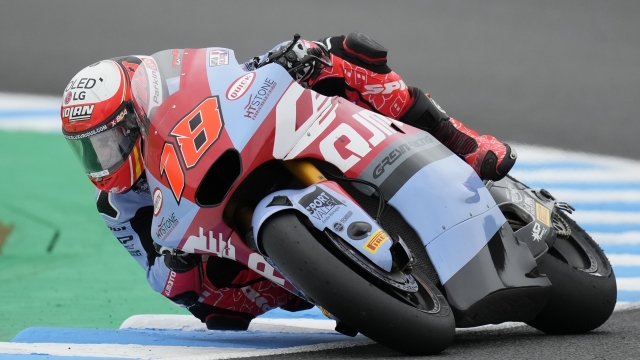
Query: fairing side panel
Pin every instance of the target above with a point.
(455, 216)
(500, 283)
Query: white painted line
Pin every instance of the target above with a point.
(624, 259)
(190, 323)
(625, 305)
(628, 283)
(29, 101)
(41, 125)
(163, 352)
(595, 196)
(631, 237)
(578, 176)
(533, 154)
(606, 217)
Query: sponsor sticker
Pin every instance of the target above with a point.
(514, 194)
(157, 201)
(77, 113)
(169, 285)
(167, 224)
(543, 214)
(259, 98)
(409, 147)
(177, 60)
(374, 242)
(240, 86)
(528, 205)
(218, 57)
(320, 204)
(538, 232)
(99, 174)
(346, 217)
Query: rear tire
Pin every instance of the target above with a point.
(582, 298)
(359, 303)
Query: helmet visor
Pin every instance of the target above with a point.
(103, 149)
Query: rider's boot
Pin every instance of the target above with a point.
(489, 157)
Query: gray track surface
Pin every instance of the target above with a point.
(563, 74)
(617, 339)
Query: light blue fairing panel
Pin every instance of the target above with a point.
(245, 112)
(333, 208)
(451, 210)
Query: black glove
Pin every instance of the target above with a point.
(302, 62)
(179, 261)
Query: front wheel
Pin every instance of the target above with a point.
(584, 285)
(412, 323)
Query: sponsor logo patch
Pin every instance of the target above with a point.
(398, 152)
(543, 214)
(240, 86)
(538, 232)
(157, 201)
(167, 224)
(374, 242)
(218, 57)
(320, 204)
(169, 285)
(346, 217)
(258, 99)
(77, 113)
(514, 194)
(177, 60)
(529, 206)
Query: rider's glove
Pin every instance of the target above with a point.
(179, 261)
(303, 62)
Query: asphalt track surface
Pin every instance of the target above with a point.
(556, 74)
(616, 339)
(562, 74)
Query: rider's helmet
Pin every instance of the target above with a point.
(100, 124)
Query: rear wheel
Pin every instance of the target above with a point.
(419, 323)
(584, 285)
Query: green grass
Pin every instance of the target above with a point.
(88, 279)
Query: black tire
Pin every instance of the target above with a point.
(357, 302)
(582, 298)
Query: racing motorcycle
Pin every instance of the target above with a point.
(370, 219)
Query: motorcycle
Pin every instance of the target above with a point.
(370, 219)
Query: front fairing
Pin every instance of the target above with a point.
(210, 102)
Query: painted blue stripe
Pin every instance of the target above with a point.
(29, 113)
(626, 271)
(52, 357)
(222, 339)
(562, 165)
(620, 248)
(631, 296)
(313, 313)
(551, 185)
(609, 228)
(596, 206)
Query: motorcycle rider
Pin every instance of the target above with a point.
(100, 124)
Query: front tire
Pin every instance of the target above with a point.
(584, 285)
(360, 304)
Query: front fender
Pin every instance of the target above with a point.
(327, 206)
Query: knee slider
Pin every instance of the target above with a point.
(364, 48)
(425, 113)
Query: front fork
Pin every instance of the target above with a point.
(303, 170)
